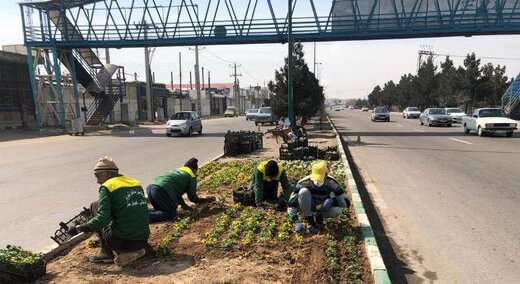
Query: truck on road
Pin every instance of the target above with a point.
(489, 121)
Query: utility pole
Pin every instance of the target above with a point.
(290, 64)
(314, 59)
(197, 79)
(191, 84)
(202, 71)
(209, 79)
(171, 80)
(148, 71)
(209, 94)
(236, 89)
(180, 81)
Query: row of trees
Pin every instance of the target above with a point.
(469, 86)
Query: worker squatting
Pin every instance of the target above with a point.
(122, 217)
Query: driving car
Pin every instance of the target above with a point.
(380, 114)
(265, 115)
(231, 111)
(251, 113)
(489, 121)
(411, 112)
(455, 113)
(184, 123)
(364, 109)
(435, 116)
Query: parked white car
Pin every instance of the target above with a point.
(411, 112)
(489, 121)
(184, 123)
(456, 114)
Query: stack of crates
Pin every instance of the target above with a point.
(242, 142)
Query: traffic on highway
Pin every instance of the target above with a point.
(483, 121)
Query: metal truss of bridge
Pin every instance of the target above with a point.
(68, 30)
(511, 99)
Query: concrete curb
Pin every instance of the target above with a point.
(377, 265)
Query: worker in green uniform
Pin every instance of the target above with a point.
(120, 216)
(166, 191)
(264, 184)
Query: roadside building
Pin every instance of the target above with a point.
(16, 102)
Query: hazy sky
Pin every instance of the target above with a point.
(348, 69)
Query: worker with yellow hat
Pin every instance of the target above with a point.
(317, 196)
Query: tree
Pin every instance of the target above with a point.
(448, 78)
(426, 84)
(470, 80)
(308, 94)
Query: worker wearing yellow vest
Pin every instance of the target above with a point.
(166, 191)
(120, 216)
(264, 183)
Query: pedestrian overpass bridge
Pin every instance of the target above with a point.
(137, 23)
(68, 30)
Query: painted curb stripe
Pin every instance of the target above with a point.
(377, 265)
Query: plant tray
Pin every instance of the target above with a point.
(61, 235)
(10, 273)
(244, 196)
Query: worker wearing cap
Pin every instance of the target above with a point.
(120, 216)
(265, 180)
(317, 196)
(166, 191)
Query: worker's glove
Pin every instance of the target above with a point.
(327, 204)
(208, 199)
(281, 205)
(186, 207)
(78, 229)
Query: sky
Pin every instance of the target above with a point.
(349, 69)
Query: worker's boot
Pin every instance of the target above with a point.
(313, 226)
(125, 258)
(104, 256)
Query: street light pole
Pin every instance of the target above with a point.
(290, 64)
(197, 80)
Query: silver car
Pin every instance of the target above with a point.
(184, 123)
(381, 114)
(251, 114)
(435, 116)
(455, 113)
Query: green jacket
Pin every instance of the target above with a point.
(260, 178)
(122, 204)
(178, 182)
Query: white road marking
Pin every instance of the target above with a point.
(400, 125)
(419, 130)
(461, 141)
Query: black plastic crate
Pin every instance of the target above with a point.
(61, 235)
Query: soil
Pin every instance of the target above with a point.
(193, 262)
(277, 261)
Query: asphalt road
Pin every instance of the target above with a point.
(47, 180)
(449, 203)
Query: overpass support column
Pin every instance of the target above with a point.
(75, 94)
(290, 67)
(59, 87)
